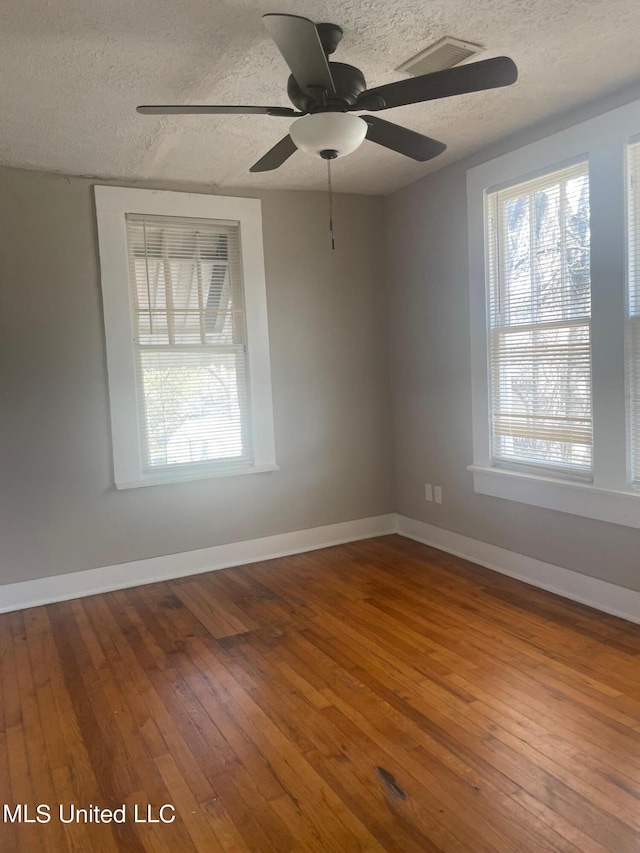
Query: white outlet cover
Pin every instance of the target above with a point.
(428, 492)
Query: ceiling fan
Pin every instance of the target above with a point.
(326, 94)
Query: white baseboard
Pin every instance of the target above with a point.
(17, 596)
(608, 597)
(602, 595)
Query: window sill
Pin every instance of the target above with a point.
(187, 476)
(576, 498)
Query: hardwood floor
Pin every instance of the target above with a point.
(374, 696)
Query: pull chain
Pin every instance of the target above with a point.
(333, 242)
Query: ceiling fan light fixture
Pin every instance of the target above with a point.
(316, 87)
(332, 132)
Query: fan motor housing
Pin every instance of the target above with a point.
(349, 82)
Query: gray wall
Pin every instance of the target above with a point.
(59, 510)
(431, 382)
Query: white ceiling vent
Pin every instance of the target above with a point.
(443, 54)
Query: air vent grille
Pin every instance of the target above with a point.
(443, 54)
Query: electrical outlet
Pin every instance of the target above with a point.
(437, 493)
(428, 492)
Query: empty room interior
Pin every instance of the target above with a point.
(320, 426)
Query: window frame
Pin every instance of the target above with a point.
(112, 205)
(632, 319)
(494, 245)
(602, 141)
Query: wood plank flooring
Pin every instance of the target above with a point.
(374, 696)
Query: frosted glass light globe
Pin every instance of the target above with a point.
(339, 132)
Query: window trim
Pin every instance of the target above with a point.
(112, 204)
(602, 141)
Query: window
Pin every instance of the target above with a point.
(187, 342)
(554, 289)
(633, 336)
(539, 296)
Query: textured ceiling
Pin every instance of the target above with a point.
(73, 71)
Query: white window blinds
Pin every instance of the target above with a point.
(189, 327)
(633, 336)
(539, 321)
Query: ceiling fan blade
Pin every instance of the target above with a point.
(214, 110)
(276, 156)
(475, 77)
(401, 139)
(298, 41)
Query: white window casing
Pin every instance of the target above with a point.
(557, 470)
(186, 331)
